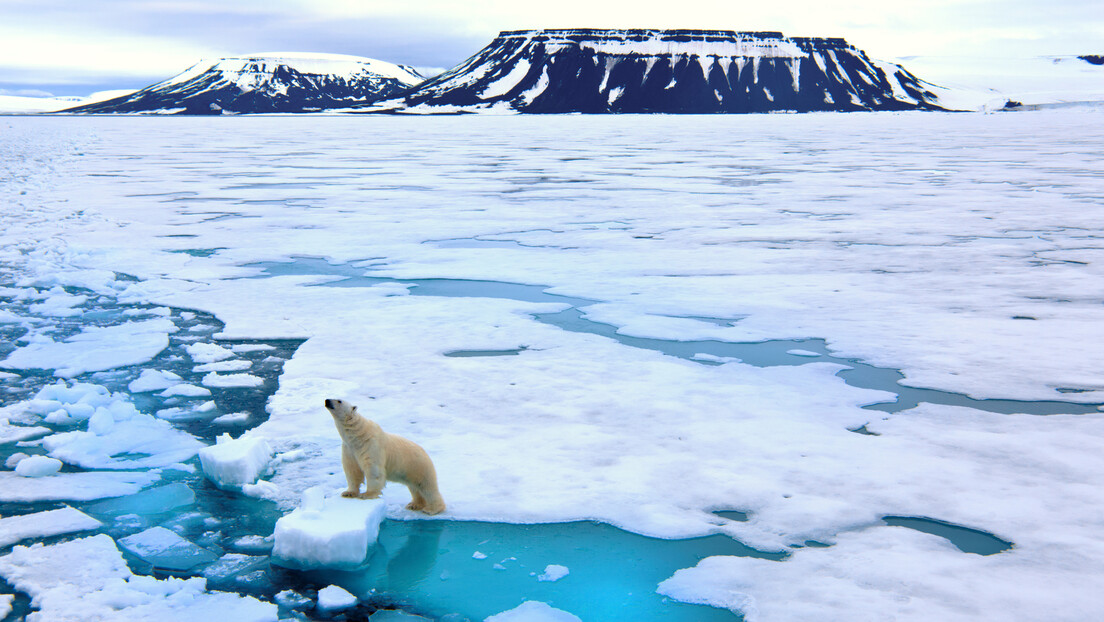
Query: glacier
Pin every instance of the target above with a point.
(682, 300)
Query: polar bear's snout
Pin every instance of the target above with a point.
(329, 403)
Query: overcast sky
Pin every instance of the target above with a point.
(80, 46)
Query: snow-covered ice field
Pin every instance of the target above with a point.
(660, 333)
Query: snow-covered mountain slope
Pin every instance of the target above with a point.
(23, 104)
(989, 83)
(667, 71)
(276, 82)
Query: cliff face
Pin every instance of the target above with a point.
(266, 83)
(669, 71)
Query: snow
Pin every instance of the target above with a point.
(41, 524)
(254, 70)
(154, 380)
(132, 440)
(10, 433)
(215, 379)
(72, 486)
(333, 598)
(94, 569)
(6, 604)
(986, 83)
(533, 611)
(233, 463)
(231, 419)
(208, 352)
(331, 531)
(36, 104)
(37, 466)
(95, 348)
(861, 230)
(507, 82)
(185, 390)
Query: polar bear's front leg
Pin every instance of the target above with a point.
(353, 474)
(375, 481)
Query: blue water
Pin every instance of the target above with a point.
(967, 540)
(425, 567)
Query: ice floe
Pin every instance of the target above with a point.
(95, 348)
(41, 524)
(73, 486)
(232, 463)
(94, 569)
(333, 598)
(37, 466)
(533, 611)
(328, 531)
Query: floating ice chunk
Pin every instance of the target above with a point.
(166, 550)
(713, 358)
(154, 380)
(88, 579)
(59, 303)
(293, 600)
(5, 605)
(237, 418)
(11, 433)
(207, 352)
(160, 443)
(262, 490)
(251, 347)
(479, 555)
(79, 400)
(533, 611)
(44, 524)
(14, 459)
(95, 348)
(254, 543)
(553, 572)
(37, 466)
(185, 390)
(152, 501)
(3, 374)
(336, 532)
(181, 413)
(332, 598)
(232, 463)
(233, 564)
(101, 422)
(214, 379)
(72, 486)
(231, 365)
(802, 353)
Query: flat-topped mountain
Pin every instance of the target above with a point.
(278, 82)
(668, 71)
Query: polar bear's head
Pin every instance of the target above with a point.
(340, 409)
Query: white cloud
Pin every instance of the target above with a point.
(61, 56)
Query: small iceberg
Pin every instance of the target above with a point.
(327, 532)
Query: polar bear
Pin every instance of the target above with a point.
(372, 455)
